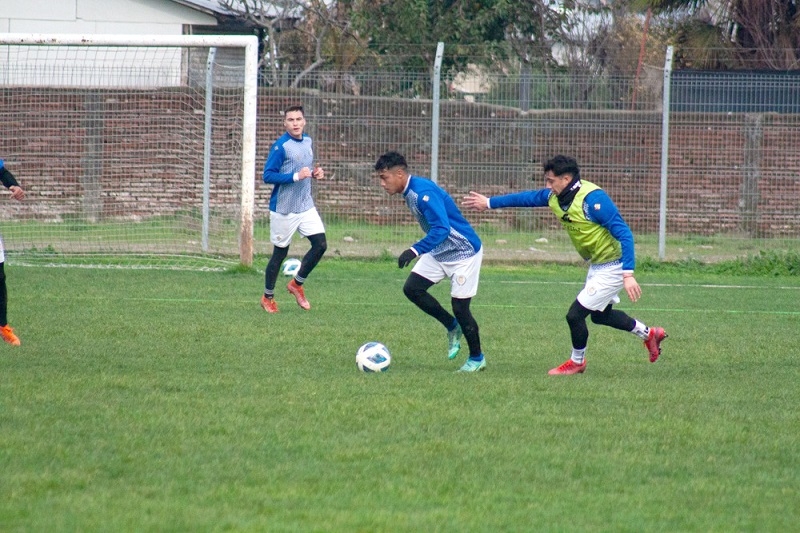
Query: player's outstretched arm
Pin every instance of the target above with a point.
(10, 182)
(476, 201)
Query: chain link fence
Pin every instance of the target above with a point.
(732, 177)
(722, 151)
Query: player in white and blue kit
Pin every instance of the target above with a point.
(602, 238)
(17, 193)
(289, 168)
(450, 249)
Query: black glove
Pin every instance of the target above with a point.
(406, 257)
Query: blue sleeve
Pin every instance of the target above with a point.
(436, 215)
(6, 177)
(599, 208)
(536, 198)
(272, 167)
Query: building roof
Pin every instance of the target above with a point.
(210, 7)
(213, 7)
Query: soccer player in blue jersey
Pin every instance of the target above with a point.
(17, 193)
(289, 168)
(602, 238)
(450, 249)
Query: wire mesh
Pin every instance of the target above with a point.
(116, 168)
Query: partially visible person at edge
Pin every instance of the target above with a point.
(602, 238)
(289, 168)
(450, 249)
(17, 193)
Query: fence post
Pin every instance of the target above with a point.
(662, 210)
(437, 74)
(751, 172)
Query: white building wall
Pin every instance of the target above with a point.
(162, 17)
(95, 66)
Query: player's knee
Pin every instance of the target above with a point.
(575, 317)
(318, 243)
(415, 287)
(278, 254)
(321, 246)
(412, 290)
(577, 313)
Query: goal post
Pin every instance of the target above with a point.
(137, 145)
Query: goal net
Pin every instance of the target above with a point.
(132, 150)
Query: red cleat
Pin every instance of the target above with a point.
(8, 335)
(269, 304)
(299, 294)
(570, 367)
(653, 342)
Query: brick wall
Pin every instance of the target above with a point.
(99, 154)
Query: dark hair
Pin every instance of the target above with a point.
(294, 108)
(390, 160)
(562, 164)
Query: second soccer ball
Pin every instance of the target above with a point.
(291, 266)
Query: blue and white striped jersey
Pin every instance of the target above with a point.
(448, 235)
(286, 157)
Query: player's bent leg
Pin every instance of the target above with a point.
(319, 245)
(416, 289)
(613, 318)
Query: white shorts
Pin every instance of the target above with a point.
(603, 283)
(2, 251)
(464, 274)
(283, 227)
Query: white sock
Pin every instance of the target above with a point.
(578, 356)
(641, 331)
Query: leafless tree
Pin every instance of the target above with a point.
(299, 35)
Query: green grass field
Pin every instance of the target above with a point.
(169, 401)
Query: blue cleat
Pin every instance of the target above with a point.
(473, 365)
(453, 342)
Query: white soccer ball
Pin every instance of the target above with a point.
(373, 357)
(291, 266)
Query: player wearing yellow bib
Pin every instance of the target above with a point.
(602, 238)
